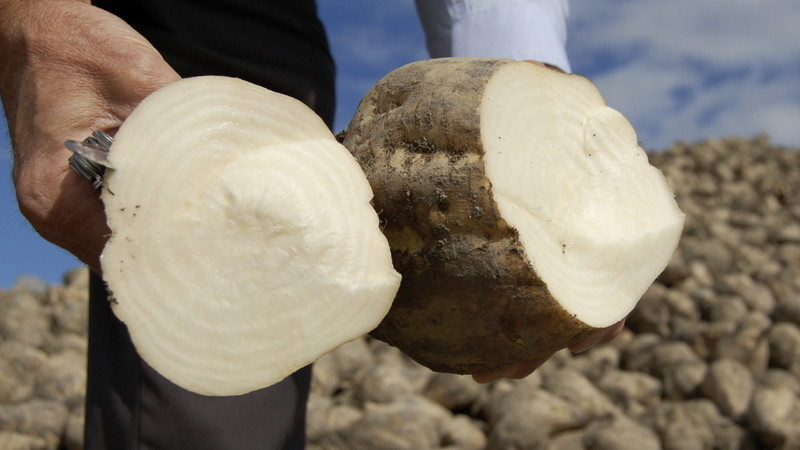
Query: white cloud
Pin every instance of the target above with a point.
(693, 69)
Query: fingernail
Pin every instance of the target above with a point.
(527, 369)
(585, 344)
(485, 378)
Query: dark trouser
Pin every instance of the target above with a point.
(130, 406)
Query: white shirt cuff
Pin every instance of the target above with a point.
(517, 29)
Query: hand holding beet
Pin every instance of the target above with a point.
(520, 209)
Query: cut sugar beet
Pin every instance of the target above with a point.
(243, 245)
(520, 209)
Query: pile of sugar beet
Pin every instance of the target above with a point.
(709, 359)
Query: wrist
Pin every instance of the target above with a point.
(18, 16)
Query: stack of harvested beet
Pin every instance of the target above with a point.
(710, 358)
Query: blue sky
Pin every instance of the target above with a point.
(679, 70)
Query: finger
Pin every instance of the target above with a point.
(495, 375)
(535, 62)
(598, 338)
(516, 371)
(74, 219)
(527, 368)
(546, 66)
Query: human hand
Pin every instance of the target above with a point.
(546, 66)
(522, 370)
(68, 69)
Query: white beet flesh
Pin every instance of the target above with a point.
(597, 221)
(243, 245)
